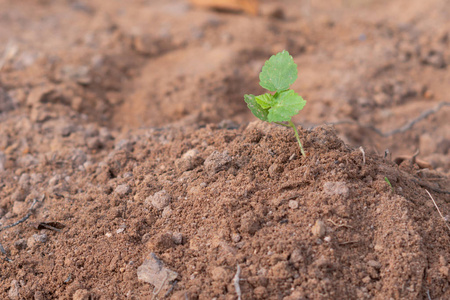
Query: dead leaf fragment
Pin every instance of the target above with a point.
(248, 6)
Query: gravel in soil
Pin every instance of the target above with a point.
(135, 170)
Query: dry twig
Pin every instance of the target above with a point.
(439, 211)
(236, 279)
(339, 225)
(17, 223)
(363, 154)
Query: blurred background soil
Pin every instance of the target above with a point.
(101, 100)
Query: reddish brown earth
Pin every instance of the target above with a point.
(125, 140)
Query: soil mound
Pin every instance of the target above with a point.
(204, 201)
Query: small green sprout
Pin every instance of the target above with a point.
(388, 182)
(277, 75)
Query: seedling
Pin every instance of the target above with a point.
(389, 183)
(277, 75)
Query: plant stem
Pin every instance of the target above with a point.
(282, 124)
(297, 137)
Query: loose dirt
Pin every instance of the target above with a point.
(134, 169)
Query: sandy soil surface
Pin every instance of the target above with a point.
(131, 167)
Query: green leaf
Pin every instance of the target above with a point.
(256, 109)
(287, 105)
(278, 73)
(265, 101)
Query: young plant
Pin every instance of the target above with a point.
(277, 75)
(389, 183)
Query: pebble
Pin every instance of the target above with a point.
(167, 212)
(159, 200)
(250, 223)
(41, 238)
(236, 237)
(122, 189)
(189, 160)
(319, 229)
(217, 161)
(293, 204)
(20, 244)
(177, 238)
(14, 291)
(218, 274)
(296, 256)
(154, 272)
(374, 264)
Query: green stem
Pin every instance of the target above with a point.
(297, 137)
(282, 124)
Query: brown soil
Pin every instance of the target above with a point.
(123, 127)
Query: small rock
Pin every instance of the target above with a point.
(189, 160)
(177, 238)
(159, 200)
(81, 295)
(122, 189)
(153, 271)
(14, 291)
(293, 204)
(319, 229)
(296, 256)
(217, 162)
(249, 223)
(260, 292)
(366, 279)
(374, 264)
(20, 244)
(36, 238)
(236, 237)
(167, 212)
(162, 242)
(41, 238)
(336, 188)
(94, 143)
(327, 239)
(219, 274)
